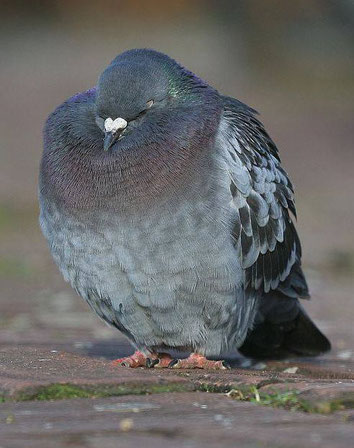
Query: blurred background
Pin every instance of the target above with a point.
(292, 61)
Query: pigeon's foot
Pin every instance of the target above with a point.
(159, 360)
(137, 359)
(196, 361)
(164, 360)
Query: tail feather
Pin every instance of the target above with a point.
(297, 336)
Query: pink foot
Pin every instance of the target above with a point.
(161, 361)
(137, 359)
(196, 361)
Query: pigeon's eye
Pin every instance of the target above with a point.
(149, 104)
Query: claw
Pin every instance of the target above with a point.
(226, 365)
(151, 363)
(173, 363)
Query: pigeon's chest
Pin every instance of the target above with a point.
(144, 256)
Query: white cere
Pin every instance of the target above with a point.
(114, 125)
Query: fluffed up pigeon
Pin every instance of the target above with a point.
(166, 207)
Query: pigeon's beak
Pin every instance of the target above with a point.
(109, 139)
(113, 129)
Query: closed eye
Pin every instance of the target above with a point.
(148, 106)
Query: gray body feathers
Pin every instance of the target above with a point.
(191, 265)
(167, 276)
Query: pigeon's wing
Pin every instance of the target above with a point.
(263, 201)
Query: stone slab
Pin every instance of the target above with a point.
(26, 370)
(23, 367)
(191, 419)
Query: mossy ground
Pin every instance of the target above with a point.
(68, 391)
(290, 400)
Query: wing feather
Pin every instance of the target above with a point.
(263, 231)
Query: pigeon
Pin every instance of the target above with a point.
(165, 205)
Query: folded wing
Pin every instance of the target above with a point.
(263, 198)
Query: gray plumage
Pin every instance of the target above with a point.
(180, 235)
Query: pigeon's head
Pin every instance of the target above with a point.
(141, 93)
(156, 121)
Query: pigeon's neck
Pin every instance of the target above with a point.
(80, 175)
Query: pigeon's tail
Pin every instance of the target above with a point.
(283, 330)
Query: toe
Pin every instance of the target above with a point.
(138, 359)
(218, 365)
(195, 361)
(163, 361)
(121, 362)
(183, 364)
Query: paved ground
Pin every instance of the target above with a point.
(166, 420)
(56, 398)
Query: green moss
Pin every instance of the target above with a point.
(212, 388)
(326, 407)
(291, 400)
(59, 392)
(67, 391)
